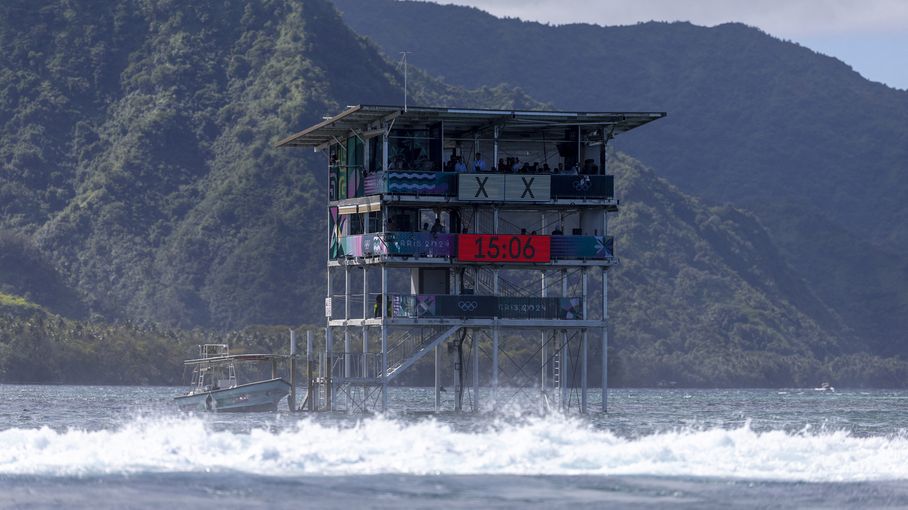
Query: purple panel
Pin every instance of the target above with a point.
(374, 184)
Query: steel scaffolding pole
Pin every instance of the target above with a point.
(311, 388)
(365, 316)
(495, 340)
(365, 362)
(565, 352)
(604, 340)
(543, 365)
(542, 347)
(437, 378)
(604, 322)
(329, 347)
(495, 151)
(384, 338)
(584, 349)
(475, 355)
(496, 289)
(347, 349)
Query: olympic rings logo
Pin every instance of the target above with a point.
(468, 306)
(582, 184)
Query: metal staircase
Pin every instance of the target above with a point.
(416, 350)
(365, 368)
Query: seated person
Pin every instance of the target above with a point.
(558, 231)
(546, 169)
(501, 165)
(515, 165)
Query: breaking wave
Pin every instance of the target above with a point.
(539, 446)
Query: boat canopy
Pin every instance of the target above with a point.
(235, 357)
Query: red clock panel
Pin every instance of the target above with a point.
(503, 248)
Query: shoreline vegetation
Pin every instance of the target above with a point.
(39, 347)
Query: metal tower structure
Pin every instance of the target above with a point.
(470, 242)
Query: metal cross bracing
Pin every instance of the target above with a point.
(477, 355)
(486, 369)
(499, 298)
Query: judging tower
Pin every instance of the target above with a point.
(477, 237)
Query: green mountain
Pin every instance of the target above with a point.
(817, 152)
(140, 187)
(137, 143)
(136, 149)
(700, 298)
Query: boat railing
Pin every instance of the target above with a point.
(213, 350)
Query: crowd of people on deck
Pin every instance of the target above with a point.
(509, 165)
(513, 165)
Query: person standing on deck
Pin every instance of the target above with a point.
(479, 164)
(459, 166)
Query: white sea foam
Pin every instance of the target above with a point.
(554, 446)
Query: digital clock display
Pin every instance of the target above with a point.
(503, 248)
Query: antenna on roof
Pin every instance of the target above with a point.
(403, 62)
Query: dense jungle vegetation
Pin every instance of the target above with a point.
(143, 208)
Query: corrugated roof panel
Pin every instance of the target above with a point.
(359, 118)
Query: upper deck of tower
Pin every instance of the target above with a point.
(508, 157)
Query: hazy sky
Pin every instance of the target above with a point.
(869, 35)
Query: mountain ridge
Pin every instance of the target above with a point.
(136, 148)
(754, 121)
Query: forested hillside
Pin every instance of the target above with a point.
(754, 119)
(141, 196)
(135, 144)
(818, 153)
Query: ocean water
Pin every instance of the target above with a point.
(128, 447)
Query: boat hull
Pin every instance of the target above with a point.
(259, 396)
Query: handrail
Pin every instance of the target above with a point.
(445, 184)
(442, 245)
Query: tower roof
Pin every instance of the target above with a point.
(365, 120)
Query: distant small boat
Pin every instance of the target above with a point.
(825, 387)
(215, 386)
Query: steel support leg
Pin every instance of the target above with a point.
(437, 378)
(495, 340)
(384, 339)
(475, 354)
(604, 340)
